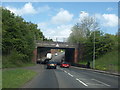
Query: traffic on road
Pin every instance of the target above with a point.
(51, 75)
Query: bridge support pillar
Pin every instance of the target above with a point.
(76, 56)
(35, 55)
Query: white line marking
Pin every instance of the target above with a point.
(94, 84)
(101, 82)
(70, 74)
(81, 82)
(106, 74)
(95, 71)
(65, 71)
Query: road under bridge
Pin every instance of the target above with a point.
(71, 50)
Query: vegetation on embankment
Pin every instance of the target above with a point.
(14, 65)
(13, 60)
(16, 78)
(18, 39)
(95, 44)
(108, 62)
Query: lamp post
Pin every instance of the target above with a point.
(56, 39)
(94, 51)
(94, 46)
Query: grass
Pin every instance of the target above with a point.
(28, 64)
(11, 65)
(14, 60)
(16, 78)
(83, 62)
(108, 62)
(0, 79)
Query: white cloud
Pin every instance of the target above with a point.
(42, 25)
(59, 32)
(83, 14)
(63, 16)
(111, 20)
(27, 9)
(64, 30)
(107, 20)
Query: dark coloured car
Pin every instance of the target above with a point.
(58, 63)
(45, 61)
(51, 65)
(65, 64)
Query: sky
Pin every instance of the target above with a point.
(55, 19)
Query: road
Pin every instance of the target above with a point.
(70, 78)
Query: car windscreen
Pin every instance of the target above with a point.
(52, 63)
(65, 63)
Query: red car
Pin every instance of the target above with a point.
(65, 64)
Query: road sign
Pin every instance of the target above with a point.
(57, 45)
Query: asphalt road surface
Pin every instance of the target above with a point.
(70, 78)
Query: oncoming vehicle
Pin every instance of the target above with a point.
(51, 65)
(49, 56)
(56, 54)
(65, 64)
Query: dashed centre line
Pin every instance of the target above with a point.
(70, 74)
(76, 78)
(65, 71)
(86, 84)
(81, 82)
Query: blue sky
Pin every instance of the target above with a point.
(55, 19)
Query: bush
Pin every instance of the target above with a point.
(14, 59)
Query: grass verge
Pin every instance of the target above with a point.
(108, 62)
(28, 64)
(16, 78)
(11, 65)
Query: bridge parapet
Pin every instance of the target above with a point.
(56, 44)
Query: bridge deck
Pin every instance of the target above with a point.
(55, 44)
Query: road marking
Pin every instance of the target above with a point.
(65, 71)
(81, 82)
(96, 71)
(94, 84)
(106, 74)
(70, 74)
(101, 82)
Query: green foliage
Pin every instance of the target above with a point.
(108, 62)
(88, 34)
(82, 31)
(14, 59)
(18, 38)
(16, 78)
(103, 44)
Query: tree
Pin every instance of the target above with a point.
(88, 33)
(18, 37)
(81, 31)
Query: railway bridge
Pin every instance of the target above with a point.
(71, 50)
